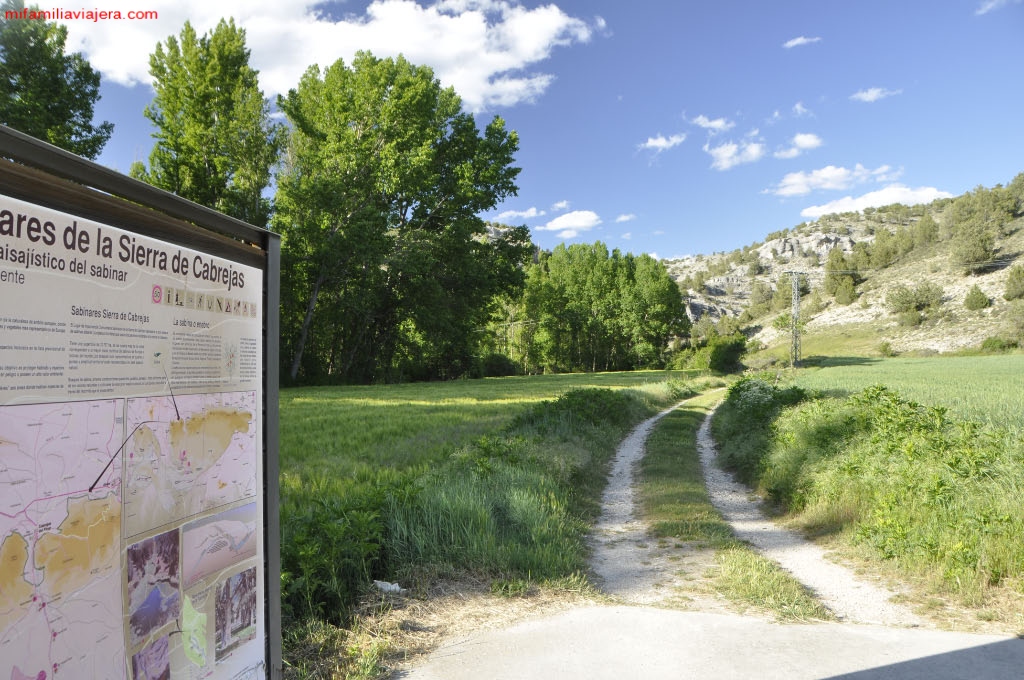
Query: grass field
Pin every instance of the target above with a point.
(986, 389)
(497, 478)
(349, 432)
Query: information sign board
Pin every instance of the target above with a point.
(132, 460)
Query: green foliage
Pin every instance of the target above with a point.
(1014, 283)
(387, 272)
(974, 247)
(584, 308)
(976, 299)
(782, 322)
(926, 296)
(1015, 320)
(742, 424)
(43, 91)
(909, 318)
(330, 548)
(1015, 194)
(495, 365)
(844, 292)
(934, 494)
(491, 475)
(985, 389)
(841, 276)
(215, 142)
(997, 345)
(926, 231)
(885, 349)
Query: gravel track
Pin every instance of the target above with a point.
(629, 567)
(849, 597)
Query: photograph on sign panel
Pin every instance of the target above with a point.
(154, 598)
(236, 612)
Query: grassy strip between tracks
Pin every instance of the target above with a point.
(676, 503)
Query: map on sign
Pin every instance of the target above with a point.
(188, 454)
(60, 567)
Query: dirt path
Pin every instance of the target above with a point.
(632, 567)
(849, 597)
(709, 641)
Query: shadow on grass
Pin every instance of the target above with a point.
(830, 362)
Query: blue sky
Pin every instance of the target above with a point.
(669, 128)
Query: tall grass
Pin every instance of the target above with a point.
(380, 481)
(937, 495)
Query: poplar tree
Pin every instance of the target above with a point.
(387, 266)
(43, 91)
(215, 142)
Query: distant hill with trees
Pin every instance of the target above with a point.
(946, 276)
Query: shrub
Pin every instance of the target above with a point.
(976, 299)
(742, 424)
(910, 318)
(726, 352)
(885, 349)
(497, 365)
(924, 296)
(994, 345)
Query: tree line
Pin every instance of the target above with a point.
(585, 309)
(378, 181)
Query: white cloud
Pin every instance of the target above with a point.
(873, 94)
(802, 40)
(830, 177)
(519, 214)
(662, 143)
(731, 154)
(799, 110)
(629, 217)
(627, 236)
(992, 5)
(803, 141)
(487, 50)
(715, 126)
(560, 206)
(572, 223)
(894, 193)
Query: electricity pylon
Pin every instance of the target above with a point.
(794, 349)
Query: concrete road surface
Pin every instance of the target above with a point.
(620, 642)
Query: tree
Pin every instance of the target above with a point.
(926, 231)
(215, 142)
(43, 91)
(1014, 283)
(841, 276)
(387, 267)
(973, 246)
(592, 310)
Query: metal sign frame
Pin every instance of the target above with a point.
(41, 174)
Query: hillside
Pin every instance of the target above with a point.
(893, 246)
